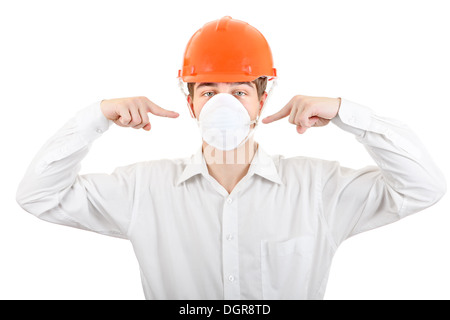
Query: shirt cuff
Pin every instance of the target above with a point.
(91, 123)
(353, 117)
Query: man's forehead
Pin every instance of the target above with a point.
(216, 84)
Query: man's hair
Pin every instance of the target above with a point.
(260, 83)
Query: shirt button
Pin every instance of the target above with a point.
(229, 200)
(231, 278)
(99, 130)
(230, 237)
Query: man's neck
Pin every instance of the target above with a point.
(229, 167)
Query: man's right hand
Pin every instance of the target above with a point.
(132, 112)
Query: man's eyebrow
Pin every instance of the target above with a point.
(213, 84)
(206, 84)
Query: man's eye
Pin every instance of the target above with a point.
(240, 93)
(208, 94)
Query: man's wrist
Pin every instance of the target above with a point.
(91, 122)
(353, 117)
(339, 101)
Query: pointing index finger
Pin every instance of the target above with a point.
(284, 112)
(157, 110)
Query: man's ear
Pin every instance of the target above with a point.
(190, 103)
(262, 100)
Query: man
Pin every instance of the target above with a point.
(232, 222)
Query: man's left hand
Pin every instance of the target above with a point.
(306, 112)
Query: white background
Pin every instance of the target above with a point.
(60, 56)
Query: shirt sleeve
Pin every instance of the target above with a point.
(53, 190)
(404, 181)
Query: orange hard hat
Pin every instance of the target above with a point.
(227, 50)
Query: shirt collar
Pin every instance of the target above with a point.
(196, 164)
(262, 164)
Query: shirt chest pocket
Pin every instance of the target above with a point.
(286, 267)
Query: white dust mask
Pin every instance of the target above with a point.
(224, 122)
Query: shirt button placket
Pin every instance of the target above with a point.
(230, 250)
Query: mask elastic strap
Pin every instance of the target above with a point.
(256, 121)
(269, 95)
(181, 86)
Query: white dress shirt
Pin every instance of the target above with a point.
(272, 237)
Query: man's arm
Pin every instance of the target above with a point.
(53, 190)
(405, 180)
